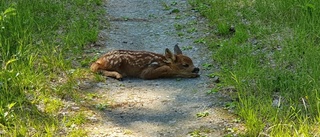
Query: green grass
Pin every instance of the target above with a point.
(40, 41)
(274, 52)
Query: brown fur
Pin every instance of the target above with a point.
(145, 65)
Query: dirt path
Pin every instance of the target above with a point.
(163, 107)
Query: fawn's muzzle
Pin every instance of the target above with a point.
(195, 70)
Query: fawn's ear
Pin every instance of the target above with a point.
(177, 50)
(169, 56)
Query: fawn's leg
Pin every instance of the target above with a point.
(112, 74)
(165, 72)
(155, 72)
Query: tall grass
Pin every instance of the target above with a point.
(38, 41)
(272, 59)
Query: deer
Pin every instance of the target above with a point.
(145, 65)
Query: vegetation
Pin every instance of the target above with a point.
(269, 51)
(41, 43)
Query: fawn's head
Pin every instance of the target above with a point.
(181, 64)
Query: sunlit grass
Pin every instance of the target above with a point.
(272, 59)
(40, 41)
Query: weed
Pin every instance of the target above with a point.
(191, 30)
(125, 18)
(180, 34)
(203, 114)
(174, 3)
(165, 5)
(91, 96)
(177, 17)
(212, 91)
(236, 120)
(230, 105)
(175, 11)
(194, 22)
(102, 106)
(196, 133)
(211, 75)
(200, 40)
(178, 27)
(207, 66)
(200, 132)
(186, 47)
(152, 16)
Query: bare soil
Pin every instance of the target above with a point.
(161, 107)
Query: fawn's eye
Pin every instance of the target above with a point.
(185, 65)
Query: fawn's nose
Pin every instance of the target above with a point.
(195, 70)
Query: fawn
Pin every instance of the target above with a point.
(145, 65)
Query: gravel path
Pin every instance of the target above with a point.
(162, 107)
